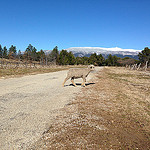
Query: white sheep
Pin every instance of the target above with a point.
(75, 73)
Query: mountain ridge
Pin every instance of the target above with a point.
(87, 51)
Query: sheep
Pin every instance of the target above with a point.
(75, 73)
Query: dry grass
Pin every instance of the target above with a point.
(13, 71)
(17, 72)
(27, 71)
(113, 113)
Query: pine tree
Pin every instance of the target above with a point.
(5, 52)
(41, 56)
(71, 58)
(100, 60)
(79, 60)
(93, 59)
(30, 53)
(115, 60)
(12, 52)
(85, 60)
(1, 52)
(110, 60)
(144, 55)
(34, 54)
(54, 55)
(63, 57)
(27, 54)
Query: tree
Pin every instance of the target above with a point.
(71, 58)
(115, 60)
(54, 55)
(109, 60)
(79, 60)
(63, 60)
(97, 60)
(1, 52)
(41, 56)
(85, 60)
(27, 53)
(144, 55)
(82, 60)
(30, 53)
(93, 59)
(5, 52)
(100, 60)
(126, 61)
(34, 54)
(12, 52)
(66, 58)
(112, 60)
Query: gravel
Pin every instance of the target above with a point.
(29, 103)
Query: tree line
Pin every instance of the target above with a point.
(30, 53)
(67, 58)
(64, 57)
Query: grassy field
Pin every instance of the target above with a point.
(113, 113)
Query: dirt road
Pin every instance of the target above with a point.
(27, 105)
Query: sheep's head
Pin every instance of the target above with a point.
(91, 67)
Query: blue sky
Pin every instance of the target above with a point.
(75, 23)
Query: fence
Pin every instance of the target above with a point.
(14, 65)
(140, 66)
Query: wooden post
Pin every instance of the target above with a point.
(146, 65)
(139, 66)
(132, 66)
(129, 67)
(46, 61)
(135, 66)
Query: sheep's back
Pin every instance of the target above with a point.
(77, 72)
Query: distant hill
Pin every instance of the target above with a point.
(47, 52)
(119, 52)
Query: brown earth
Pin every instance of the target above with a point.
(113, 113)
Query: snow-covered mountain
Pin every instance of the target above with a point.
(87, 51)
(47, 52)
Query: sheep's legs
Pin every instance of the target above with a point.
(83, 83)
(65, 80)
(72, 80)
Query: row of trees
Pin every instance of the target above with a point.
(67, 58)
(30, 53)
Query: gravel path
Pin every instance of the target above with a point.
(28, 104)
